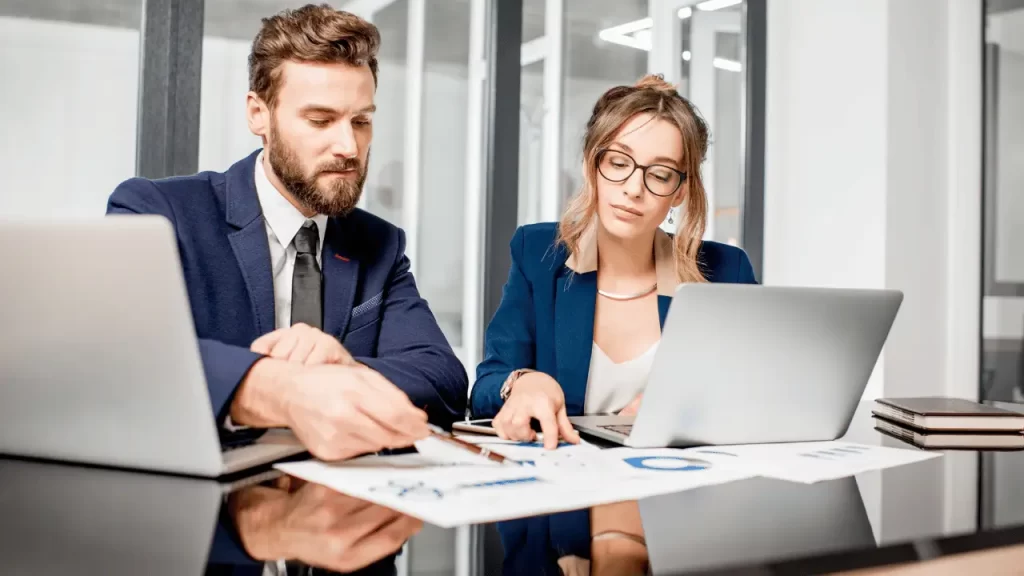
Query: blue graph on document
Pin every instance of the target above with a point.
(420, 491)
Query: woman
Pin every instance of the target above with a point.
(581, 314)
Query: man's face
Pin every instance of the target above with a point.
(318, 142)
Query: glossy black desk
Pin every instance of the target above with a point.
(60, 519)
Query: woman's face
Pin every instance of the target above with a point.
(628, 202)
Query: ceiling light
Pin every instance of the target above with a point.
(726, 64)
(686, 55)
(643, 37)
(684, 12)
(635, 34)
(717, 4)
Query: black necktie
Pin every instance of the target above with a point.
(307, 287)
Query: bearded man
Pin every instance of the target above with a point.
(305, 309)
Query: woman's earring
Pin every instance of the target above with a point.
(672, 216)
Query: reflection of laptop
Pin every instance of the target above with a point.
(742, 364)
(63, 519)
(760, 520)
(98, 353)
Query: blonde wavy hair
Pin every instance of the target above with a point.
(651, 95)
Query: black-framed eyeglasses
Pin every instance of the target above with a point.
(660, 180)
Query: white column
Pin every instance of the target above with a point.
(554, 80)
(873, 180)
(415, 39)
(963, 244)
(472, 263)
(666, 52)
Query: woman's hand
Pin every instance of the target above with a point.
(535, 395)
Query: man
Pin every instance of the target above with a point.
(305, 309)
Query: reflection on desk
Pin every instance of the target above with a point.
(63, 519)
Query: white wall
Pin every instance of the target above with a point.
(825, 153)
(69, 106)
(873, 180)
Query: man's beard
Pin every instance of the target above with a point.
(337, 198)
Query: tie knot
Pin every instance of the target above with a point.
(307, 239)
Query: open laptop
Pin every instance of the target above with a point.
(756, 521)
(744, 364)
(99, 361)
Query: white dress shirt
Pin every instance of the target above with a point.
(283, 221)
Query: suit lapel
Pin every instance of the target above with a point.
(249, 241)
(663, 304)
(341, 275)
(574, 323)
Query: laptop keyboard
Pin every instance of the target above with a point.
(623, 429)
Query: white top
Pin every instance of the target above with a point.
(283, 221)
(611, 386)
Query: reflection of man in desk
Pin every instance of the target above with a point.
(291, 522)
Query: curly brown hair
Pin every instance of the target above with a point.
(313, 33)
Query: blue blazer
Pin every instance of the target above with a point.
(371, 303)
(545, 320)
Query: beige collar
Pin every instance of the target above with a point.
(664, 261)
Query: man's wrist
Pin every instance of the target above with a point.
(262, 397)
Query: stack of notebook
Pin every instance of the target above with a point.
(950, 423)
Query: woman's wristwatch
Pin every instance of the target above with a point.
(506, 388)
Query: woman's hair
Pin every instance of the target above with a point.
(651, 95)
(313, 33)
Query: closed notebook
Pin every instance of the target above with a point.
(948, 414)
(952, 440)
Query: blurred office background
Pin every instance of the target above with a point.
(855, 143)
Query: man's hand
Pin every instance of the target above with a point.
(302, 344)
(337, 412)
(342, 411)
(317, 526)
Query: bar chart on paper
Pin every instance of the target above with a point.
(810, 462)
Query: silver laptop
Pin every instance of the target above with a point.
(759, 521)
(744, 364)
(98, 353)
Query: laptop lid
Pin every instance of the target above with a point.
(98, 353)
(743, 364)
(64, 519)
(753, 521)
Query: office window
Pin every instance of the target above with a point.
(444, 124)
(1003, 226)
(596, 45)
(71, 81)
(567, 65)
(713, 79)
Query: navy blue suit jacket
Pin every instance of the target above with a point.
(545, 320)
(371, 303)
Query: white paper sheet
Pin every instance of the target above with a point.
(453, 489)
(809, 462)
(569, 478)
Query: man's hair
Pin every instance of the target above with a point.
(313, 33)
